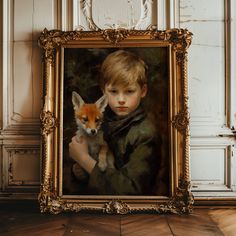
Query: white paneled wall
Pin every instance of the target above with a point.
(211, 73)
(29, 17)
(206, 64)
(21, 91)
(212, 144)
(232, 85)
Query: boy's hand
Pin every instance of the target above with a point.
(78, 149)
(79, 152)
(79, 172)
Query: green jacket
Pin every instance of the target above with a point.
(135, 160)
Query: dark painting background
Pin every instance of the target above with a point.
(81, 74)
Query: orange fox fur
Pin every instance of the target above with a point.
(89, 119)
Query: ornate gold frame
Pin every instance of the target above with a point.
(51, 199)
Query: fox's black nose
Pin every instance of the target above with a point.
(93, 131)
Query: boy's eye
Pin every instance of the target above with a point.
(113, 91)
(130, 91)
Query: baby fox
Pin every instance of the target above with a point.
(89, 119)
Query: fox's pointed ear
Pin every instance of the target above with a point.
(77, 100)
(101, 103)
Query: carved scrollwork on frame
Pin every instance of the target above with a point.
(180, 38)
(50, 202)
(48, 122)
(181, 120)
(55, 205)
(46, 193)
(181, 203)
(115, 36)
(116, 207)
(50, 40)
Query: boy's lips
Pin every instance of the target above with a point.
(122, 108)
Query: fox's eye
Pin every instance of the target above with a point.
(97, 119)
(85, 119)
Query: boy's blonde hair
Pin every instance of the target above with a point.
(122, 68)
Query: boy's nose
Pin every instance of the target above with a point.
(121, 99)
(121, 102)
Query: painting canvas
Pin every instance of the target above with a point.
(81, 74)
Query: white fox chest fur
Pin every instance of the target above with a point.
(94, 142)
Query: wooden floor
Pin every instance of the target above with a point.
(25, 219)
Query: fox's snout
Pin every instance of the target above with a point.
(91, 132)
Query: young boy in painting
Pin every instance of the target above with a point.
(127, 130)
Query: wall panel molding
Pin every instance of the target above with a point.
(20, 165)
(65, 15)
(6, 22)
(163, 14)
(214, 158)
(88, 15)
(23, 154)
(232, 55)
(172, 16)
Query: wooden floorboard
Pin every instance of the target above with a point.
(31, 225)
(18, 219)
(144, 225)
(34, 224)
(93, 225)
(225, 219)
(197, 224)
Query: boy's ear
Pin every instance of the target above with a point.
(144, 90)
(77, 100)
(101, 103)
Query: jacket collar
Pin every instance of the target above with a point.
(114, 125)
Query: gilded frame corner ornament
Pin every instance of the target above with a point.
(180, 198)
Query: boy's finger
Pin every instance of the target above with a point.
(74, 139)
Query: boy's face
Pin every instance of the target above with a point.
(123, 100)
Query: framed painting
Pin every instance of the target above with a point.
(139, 175)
